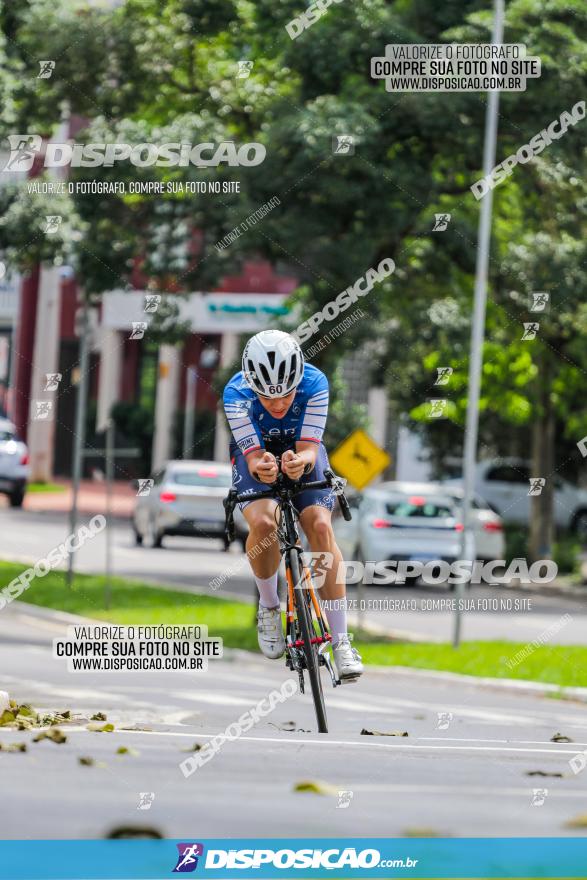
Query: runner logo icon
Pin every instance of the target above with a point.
(23, 150)
(187, 859)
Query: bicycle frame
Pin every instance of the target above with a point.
(324, 636)
(297, 593)
(306, 647)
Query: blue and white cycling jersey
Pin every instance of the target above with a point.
(254, 428)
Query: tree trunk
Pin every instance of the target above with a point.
(541, 506)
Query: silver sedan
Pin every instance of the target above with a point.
(185, 498)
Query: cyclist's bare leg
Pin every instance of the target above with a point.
(264, 557)
(316, 522)
(262, 545)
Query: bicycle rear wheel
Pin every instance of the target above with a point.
(307, 633)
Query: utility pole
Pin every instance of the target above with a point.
(109, 479)
(478, 327)
(79, 438)
(190, 412)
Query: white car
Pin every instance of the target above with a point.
(186, 499)
(489, 538)
(14, 464)
(505, 484)
(391, 523)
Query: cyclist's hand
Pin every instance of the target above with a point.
(292, 464)
(266, 468)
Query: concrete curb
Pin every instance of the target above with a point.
(61, 514)
(551, 589)
(535, 688)
(399, 635)
(512, 685)
(62, 617)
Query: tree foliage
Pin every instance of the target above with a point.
(161, 71)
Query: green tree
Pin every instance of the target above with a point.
(171, 75)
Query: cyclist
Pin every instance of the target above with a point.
(277, 405)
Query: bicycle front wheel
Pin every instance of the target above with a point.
(307, 633)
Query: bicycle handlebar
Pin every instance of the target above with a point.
(282, 488)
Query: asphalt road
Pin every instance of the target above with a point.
(194, 563)
(472, 778)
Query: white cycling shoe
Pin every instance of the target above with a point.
(347, 660)
(270, 632)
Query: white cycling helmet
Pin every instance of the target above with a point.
(273, 363)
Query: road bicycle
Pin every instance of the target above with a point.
(307, 637)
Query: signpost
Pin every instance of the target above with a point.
(359, 459)
(478, 328)
(80, 425)
(205, 312)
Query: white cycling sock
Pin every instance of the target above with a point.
(336, 615)
(268, 596)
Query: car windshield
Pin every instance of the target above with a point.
(6, 435)
(204, 476)
(430, 509)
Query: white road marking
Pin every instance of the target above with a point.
(463, 790)
(530, 742)
(339, 742)
(490, 715)
(394, 707)
(41, 623)
(357, 706)
(216, 699)
(497, 713)
(480, 714)
(226, 700)
(254, 679)
(352, 705)
(88, 695)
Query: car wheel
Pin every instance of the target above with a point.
(138, 536)
(152, 537)
(16, 498)
(580, 525)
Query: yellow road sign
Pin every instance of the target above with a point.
(359, 459)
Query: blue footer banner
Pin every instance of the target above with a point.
(283, 858)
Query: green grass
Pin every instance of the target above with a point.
(37, 488)
(134, 602)
(564, 665)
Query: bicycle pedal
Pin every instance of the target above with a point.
(349, 679)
